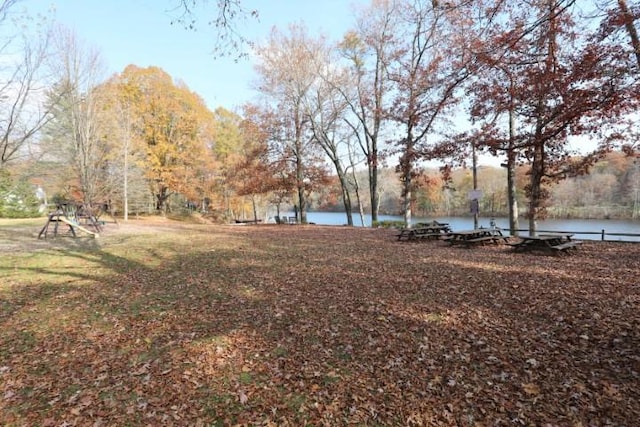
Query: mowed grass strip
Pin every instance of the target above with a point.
(160, 322)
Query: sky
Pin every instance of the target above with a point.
(140, 32)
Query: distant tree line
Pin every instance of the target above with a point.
(610, 190)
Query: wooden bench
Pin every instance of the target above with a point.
(430, 235)
(405, 233)
(566, 245)
(469, 242)
(480, 239)
(498, 237)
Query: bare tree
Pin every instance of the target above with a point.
(77, 111)
(23, 83)
(431, 66)
(228, 14)
(287, 75)
(326, 109)
(368, 51)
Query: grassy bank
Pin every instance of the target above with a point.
(166, 323)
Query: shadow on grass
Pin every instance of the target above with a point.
(291, 328)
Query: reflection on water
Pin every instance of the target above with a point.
(595, 226)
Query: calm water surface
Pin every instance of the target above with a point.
(465, 223)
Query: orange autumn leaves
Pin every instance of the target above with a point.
(171, 127)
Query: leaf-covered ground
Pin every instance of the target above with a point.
(194, 325)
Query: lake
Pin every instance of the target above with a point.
(464, 223)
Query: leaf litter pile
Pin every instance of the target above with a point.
(314, 325)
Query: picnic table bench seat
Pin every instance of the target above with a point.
(418, 236)
(473, 241)
(429, 235)
(421, 233)
(505, 239)
(566, 245)
(480, 239)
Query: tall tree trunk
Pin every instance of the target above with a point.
(535, 192)
(351, 171)
(302, 199)
(630, 27)
(475, 201)
(406, 169)
(538, 166)
(356, 188)
(514, 222)
(344, 187)
(346, 199)
(301, 214)
(255, 208)
(373, 183)
(406, 203)
(359, 201)
(161, 199)
(302, 206)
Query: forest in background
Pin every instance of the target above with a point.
(610, 190)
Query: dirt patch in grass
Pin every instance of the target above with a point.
(21, 235)
(163, 323)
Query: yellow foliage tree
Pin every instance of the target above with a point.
(174, 126)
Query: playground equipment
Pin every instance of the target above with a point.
(76, 217)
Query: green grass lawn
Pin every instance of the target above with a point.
(161, 322)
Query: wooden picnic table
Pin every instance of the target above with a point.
(476, 236)
(435, 225)
(551, 243)
(424, 232)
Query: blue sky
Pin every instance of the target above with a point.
(140, 32)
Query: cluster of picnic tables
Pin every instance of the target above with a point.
(549, 242)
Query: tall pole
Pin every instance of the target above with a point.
(636, 211)
(475, 203)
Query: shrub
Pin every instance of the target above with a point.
(17, 199)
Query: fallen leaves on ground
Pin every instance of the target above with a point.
(316, 325)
